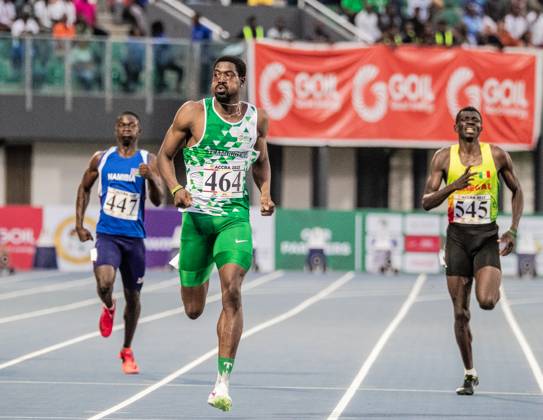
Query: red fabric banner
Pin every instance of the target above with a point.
(401, 97)
(20, 228)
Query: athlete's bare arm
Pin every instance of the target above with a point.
(433, 196)
(504, 165)
(83, 196)
(261, 168)
(180, 134)
(150, 173)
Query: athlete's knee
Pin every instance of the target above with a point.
(461, 315)
(487, 303)
(194, 311)
(231, 297)
(105, 289)
(132, 298)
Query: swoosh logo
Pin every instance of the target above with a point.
(239, 241)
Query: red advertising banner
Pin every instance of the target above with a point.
(401, 97)
(20, 228)
(414, 243)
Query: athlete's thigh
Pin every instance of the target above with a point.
(107, 258)
(487, 284)
(196, 254)
(234, 245)
(460, 291)
(132, 266)
(458, 260)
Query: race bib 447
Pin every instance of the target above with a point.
(121, 204)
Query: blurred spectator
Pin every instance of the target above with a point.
(473, 21)
(444, 35)
(390, 18)
(199, 32)
(489, 32)
(57, 9)
(134, 13)
(392, 36)
(251, 30)
(42, 14)
(319, 34)
(164, 58)
(515, 23)
(84, 65)
(351, 8)
(378, 6)
(417, 22)
(134, 59)
(7, 15)
(423, 7)
(63, 30)
(496, 9)
(410, 36)
(86, 11)
(449, 13)
(367, 23)
(280, 31)
(535, 20)
(25, 25)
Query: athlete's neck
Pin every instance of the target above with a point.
(469, 147)
(232, 108)
(126, 151)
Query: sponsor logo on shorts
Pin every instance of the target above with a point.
(140, 280)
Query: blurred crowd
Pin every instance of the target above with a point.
(447, 22)
(66, 18)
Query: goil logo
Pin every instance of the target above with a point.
(505, 97)
(401, 92)
(307, 91)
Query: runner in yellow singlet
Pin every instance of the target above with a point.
(470, 170)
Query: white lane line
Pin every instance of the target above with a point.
(119, 327)
(532, 361)
(34, 275)
(273, 321)
(355, 385)
(68, 284)
(82, 303)
(272, 387)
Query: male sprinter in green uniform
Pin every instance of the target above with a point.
(221, 138)
(470, 170)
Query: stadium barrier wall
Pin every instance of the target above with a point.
(375, 241)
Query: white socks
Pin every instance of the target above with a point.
(471, 372)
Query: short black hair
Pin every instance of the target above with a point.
(132, 114)
(467, 109)
(241, 68)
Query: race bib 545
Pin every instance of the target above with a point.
(471, 209)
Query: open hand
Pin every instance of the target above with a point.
(464, 180)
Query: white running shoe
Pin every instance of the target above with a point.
(219, 397)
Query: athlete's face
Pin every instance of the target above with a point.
(469, 126)
(226, 82)
(127, 130)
